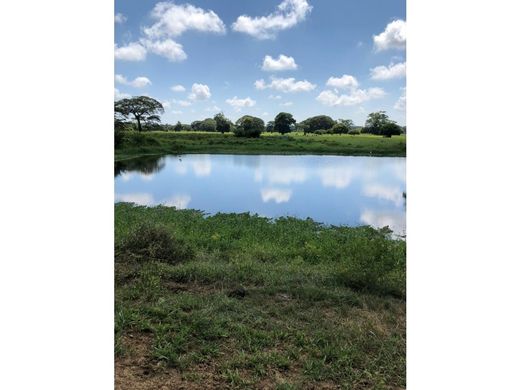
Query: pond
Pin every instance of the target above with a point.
(337, 190)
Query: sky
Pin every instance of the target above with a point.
(342, 58)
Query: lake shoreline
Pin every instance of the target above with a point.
(160, 143)
(286, 301)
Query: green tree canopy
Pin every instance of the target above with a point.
(319, 122)
(223, 124)
(283, 122)
(249, 126)
(143, 108)
(375, 122)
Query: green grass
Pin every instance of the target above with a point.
(321, 305)
(137, 144)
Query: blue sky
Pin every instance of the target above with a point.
(343, 58)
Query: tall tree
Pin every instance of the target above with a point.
(143, 108)
(223, 123)
(283, 122)
(375, 122)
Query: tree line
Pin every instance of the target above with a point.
(145, 112)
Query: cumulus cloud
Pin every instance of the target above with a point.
(171, 20)
(355, 96)
(282, 63)
(394, 37)
(138, 82)
(286, 104)
(134, 51)
(344, 82)
(120, 95)
(392, 71)
(167, 48)
(392, 194)
(178, 88)
(182, 103)
(395, 220)
(120, 18)
(141, 199)
(287, 15)
(237, 103)
(199, 92)
(178, 201)
(275, 194)
(400, 104)
(285, 85)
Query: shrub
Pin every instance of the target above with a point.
(154, 242)
(340, 128)
(249, 126)
(354, 131)
(376, 263)
(119, 136)
(320, 122)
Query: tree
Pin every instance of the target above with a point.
(269, 127)
(320, 122)
(249, 126)
(347, 122)
(390, 128)
(178, 126)
(223, 124)
(283, 122)
(375, 122)
(143, 108)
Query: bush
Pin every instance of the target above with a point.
(154, 242)
(323, 132)
(249, 126)
(354, 131)
(376, 263)
(320, 122)
(119, 136)
(340, 128)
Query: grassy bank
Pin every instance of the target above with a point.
(136, 144)
(239, 301)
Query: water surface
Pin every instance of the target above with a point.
(338, 190)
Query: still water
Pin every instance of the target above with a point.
(338, 190)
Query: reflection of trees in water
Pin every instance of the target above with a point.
(146, 165)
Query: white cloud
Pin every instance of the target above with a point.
(120, 18)
(285, 85)
(199, 92)
(394, 36)
(281, 174)
(178, 201)
(176, 112)
(134, 51)
(142, 199)
(396, 221)
(138, 82)
(213, 108)
(282, 63)
(287, 15)
(275, 194)
(273, 97)
(182, 103)
(171, 20)
(392, 71)
(237, 103)
(337, 177)
(201, 166)
(392, 194)
(286, 104)
(120, 95)
(356, 96)
(344, 82)
(178, 88)
(400, 104)
(166, 104)
(167, 48)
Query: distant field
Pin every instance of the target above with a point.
(239, 301)
(136, 144)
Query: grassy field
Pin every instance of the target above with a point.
(136, 144)
(240, 301)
